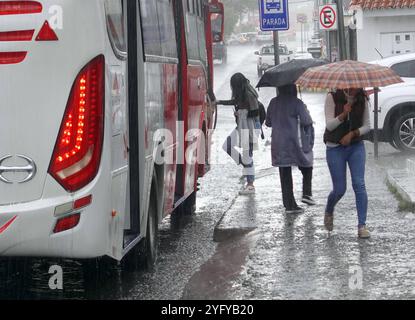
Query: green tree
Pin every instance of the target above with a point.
(234, 10)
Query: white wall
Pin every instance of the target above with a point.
(369, 37)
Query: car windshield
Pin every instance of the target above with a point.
(405, 69)
(270, 50)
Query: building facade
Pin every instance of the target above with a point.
(387, 28)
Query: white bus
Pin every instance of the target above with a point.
(84, 87)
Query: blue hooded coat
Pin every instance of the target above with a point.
(292, 130)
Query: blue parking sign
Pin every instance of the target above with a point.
(274, 15)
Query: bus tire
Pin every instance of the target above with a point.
(151, 240)
(190, 204)
(188, 207)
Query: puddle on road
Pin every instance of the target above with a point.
(215, 279)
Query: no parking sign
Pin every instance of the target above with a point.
(328, 17)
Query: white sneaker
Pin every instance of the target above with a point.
(309, 200)
(248, 190)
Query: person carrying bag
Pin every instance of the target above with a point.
(245, 135)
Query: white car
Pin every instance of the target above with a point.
(266, 57)
(303, 54)
(397, 104)
(264, 37)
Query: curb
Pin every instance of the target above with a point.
(224, 234)
(411, 166)
(406, 197)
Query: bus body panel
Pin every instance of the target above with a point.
(34, 98)
(35, 94)
(171, 116)
(192, 115)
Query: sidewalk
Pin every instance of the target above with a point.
(292, 257)
(402, 182)
(264, 253)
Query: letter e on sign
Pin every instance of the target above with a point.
(328, 17)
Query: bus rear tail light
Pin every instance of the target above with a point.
(19, 7)
(12, 57)
(23, 35)
(67, 223)
(77, 154)
(69, 207)
(82, 203)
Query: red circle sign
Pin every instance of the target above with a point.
(328, 17)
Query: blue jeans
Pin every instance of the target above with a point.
(337, 159)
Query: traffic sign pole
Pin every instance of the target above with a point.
(342, 33)
(276, 48)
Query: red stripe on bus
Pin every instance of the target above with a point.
(8, 224)
(19, 7)
(24, 35)
(12, 57)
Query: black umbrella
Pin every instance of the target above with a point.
(288, 73)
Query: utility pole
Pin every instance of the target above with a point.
(341, 31)
(276, 48)
(353, 38)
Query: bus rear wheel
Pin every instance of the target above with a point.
(188, 207)
(151, 240)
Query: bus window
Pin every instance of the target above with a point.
(202, 40)
(115, 24)
(197, 7)
(192, 40)
(190, 6)
(150, 25)
(216, 13)
(167, 28)
(217, 22)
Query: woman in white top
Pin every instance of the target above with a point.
(347, 121)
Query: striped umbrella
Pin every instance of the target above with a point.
(352, 74)
(348, 74)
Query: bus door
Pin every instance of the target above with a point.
(193, 88)
(123, 105)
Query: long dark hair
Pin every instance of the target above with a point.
(239, 86)
(360, 100)
(361, 97)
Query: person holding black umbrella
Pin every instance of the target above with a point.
(292, 144)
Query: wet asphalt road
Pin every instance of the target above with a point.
(283, 257)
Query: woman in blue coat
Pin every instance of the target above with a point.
(292, 144)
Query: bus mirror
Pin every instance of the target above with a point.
(217, 21)
(257, 53)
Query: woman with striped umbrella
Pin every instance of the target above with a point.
(347, 121)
